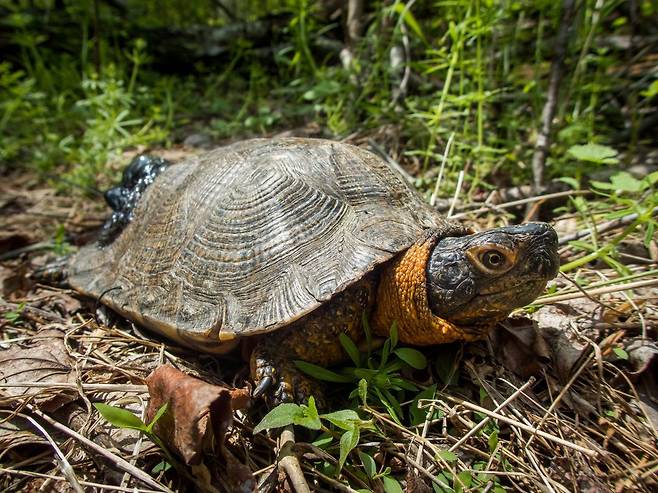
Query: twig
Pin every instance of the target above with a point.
(99, 486)
(563, 392)
(354, 21)
(402, 88)
(428, 443)
(593, 292)
(99, 387)
(426, 426)
(460, 180)
(420, 468)
(557, 68)
(524, 427)
(34, 247)
(337, 485)
(62, 462)
(401, 91)
(605, 227)
(527, 200)
(289, 463)
(116, 460)
(446, 151)
(477, 427)
(538, 468)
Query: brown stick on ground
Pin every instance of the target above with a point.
(289, 463)
(557, 71)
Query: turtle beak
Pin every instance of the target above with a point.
(544, 259)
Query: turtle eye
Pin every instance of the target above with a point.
(493, 259)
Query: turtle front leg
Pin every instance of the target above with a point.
(277, 377)
(314, 338)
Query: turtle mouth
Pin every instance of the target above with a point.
(535, 283)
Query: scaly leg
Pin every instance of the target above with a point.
(314, 338)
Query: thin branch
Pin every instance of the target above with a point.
(458, 188)
(482, 423)
(446, 151)
(609, 289)
(112, 458)
(557, 70)
(524, 427)
(289, 463)
(62, 461)
(99, 486)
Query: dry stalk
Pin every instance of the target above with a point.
(482, 423)
(548, 300)
(113, 458)
(62, 461)
(289, 463)
(526, 428)
(99, 486)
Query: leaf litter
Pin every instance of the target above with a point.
(563, 399)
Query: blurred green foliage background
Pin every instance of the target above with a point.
(81, 81)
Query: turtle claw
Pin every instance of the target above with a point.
(270, 384)
(262, 387)
(278, 381)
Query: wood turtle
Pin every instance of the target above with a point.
(287, 242)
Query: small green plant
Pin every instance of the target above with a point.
(628, 196)
(344, 425)
(376, 374)
(307, 416)
(61, 247)
(122, 418)
(14, 316)
(594, 153)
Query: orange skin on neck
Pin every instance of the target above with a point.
(402, 297)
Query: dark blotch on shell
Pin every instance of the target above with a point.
(123, 199)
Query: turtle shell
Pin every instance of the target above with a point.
(247, 238)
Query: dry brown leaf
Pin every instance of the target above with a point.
(520, 347)
(555, 322)
(13, 240)
(643, 356)
(16, 433)
(14, 282)
(525, 346)
(197, 417)
(45, 360)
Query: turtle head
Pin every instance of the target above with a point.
(476, 280)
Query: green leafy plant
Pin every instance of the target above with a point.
(631, 197)
(122, 418)
(14, 316)
(377, 375)
(61, 247)
(347, 420)
(594, 153)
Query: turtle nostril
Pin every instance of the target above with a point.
(551, 236)
(546, 264)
